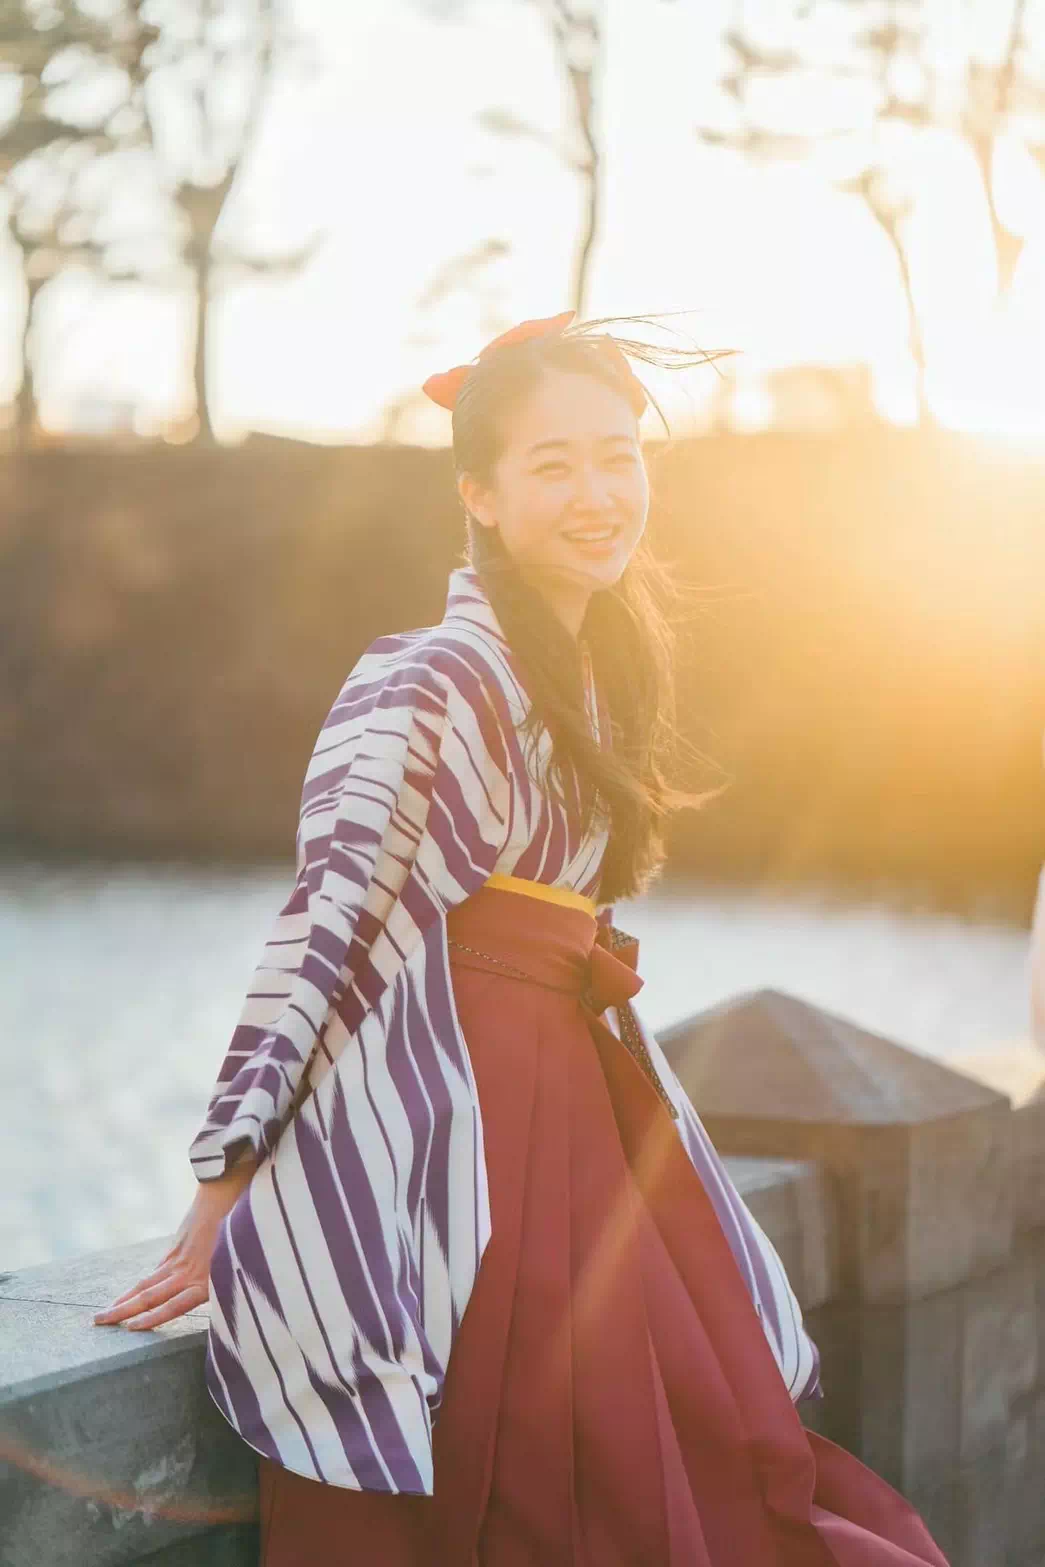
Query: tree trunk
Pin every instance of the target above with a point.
(204, 428)
(982, 127)
(915, 339)
(582, 70)
(582, 264)
(591, 170)
(1007, 247)
(25, 404)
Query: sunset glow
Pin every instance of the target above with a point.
(381, 150)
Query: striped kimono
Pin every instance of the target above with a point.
(342, 1273)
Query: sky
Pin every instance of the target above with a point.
(379, 150)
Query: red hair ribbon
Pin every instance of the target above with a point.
(445, 387)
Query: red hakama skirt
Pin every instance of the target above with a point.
(611, 1399)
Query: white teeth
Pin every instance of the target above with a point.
(591, 538)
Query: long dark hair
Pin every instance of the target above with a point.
(627, 627)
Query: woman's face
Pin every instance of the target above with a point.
(570, 469)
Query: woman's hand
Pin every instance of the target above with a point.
(181, 1281)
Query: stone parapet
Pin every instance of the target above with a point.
(906, 1200)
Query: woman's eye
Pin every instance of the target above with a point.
(548, 468)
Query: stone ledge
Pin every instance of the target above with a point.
(48, 1338)
(793, 1201)
(920, 1157)
(67, 1294)
(1017, 1069)
(111, 1450)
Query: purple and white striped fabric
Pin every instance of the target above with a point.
(343, 1271)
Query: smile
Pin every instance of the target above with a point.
(591, 535)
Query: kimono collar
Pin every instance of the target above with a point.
(466, 599)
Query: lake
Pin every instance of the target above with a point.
(122, 985)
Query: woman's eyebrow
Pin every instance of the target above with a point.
(604, 440)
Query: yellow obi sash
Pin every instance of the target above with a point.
(540, 889)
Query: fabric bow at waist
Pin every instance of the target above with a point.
(613, 981)
(612, 970)
(608, 978)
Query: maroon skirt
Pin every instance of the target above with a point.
(611, 1399)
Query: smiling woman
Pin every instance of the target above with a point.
(482, 1291)
(548, 451)
(585, 489)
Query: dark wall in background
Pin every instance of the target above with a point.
(866, 662)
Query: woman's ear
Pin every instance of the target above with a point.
(476, 499)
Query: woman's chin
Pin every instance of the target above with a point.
(606, 573)
(598, 572)
(579, 576)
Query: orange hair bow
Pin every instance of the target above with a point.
(445, 387)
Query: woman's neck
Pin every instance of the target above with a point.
(568, 603)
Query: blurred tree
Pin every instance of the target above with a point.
(576, 29)
(852, 84)
(1005, 94)
(132, 122)
(203, 85)
(577, 32)
(64, 76)
(464, 271)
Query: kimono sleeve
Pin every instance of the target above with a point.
(404, 813)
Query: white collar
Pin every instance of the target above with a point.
(466, 599)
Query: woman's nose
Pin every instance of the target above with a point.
(592, 490)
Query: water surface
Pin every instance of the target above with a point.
(121, 986)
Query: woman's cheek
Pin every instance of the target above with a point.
(550, 504)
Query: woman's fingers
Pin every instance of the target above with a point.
(177, 1306)
(164, 1271)
(145, 1297)
(180, 1281)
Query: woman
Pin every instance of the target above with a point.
(481, 1290)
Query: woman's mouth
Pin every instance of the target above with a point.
(593, 541)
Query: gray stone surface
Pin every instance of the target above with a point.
(1025, 1482)
(920, 1157)
(960, 1201)
(1029, 1160)
(938, 1503)
(44, 1345)
(794, 1204)
(111, 1447)
(791, 1061)
(1034, 1251)
(93, 1279)
(231, 1546)
(983, 1519)
(891, 1378)
(105, 1469)
(1017, 1069)
(112, 1450)
(999, 1355)
(945, 1397)
(47, 1333)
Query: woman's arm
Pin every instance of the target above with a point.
(403, 815)
(180, 1280)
